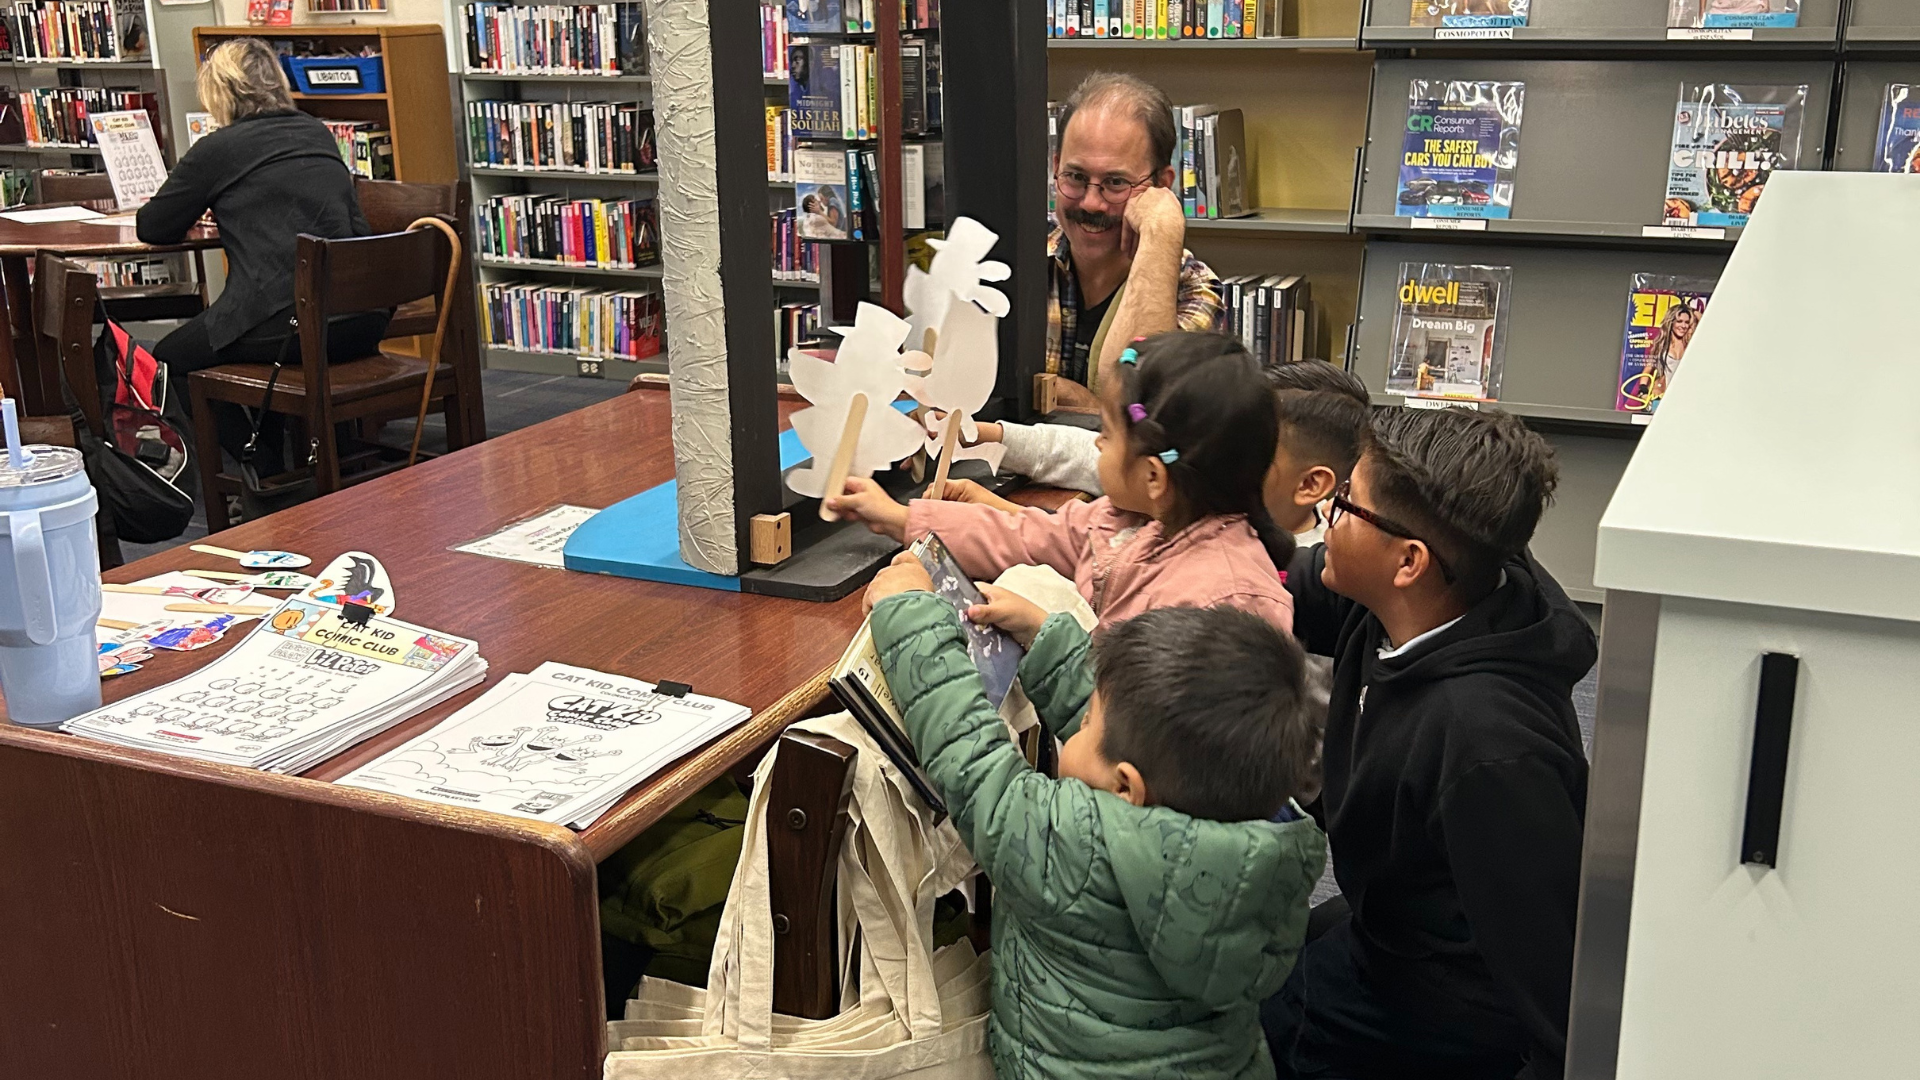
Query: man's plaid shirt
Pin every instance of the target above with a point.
(1198, 308)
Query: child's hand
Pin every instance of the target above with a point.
(866, 501)
(967, 491)
(1020, 617)
(903, 575)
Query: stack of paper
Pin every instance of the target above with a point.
(302, 687)
(560, 745)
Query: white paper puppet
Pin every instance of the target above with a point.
(960, 266)
(868, 362)
(966, 360)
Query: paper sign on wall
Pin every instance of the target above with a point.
(132, 155)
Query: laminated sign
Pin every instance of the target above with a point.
(131, 154)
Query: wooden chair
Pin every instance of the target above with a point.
(340, 277)
(131, 303)
(64, 301)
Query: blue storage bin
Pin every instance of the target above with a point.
(337, 74)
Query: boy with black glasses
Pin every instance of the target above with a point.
(1455, 782)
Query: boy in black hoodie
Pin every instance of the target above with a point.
(1455, 784)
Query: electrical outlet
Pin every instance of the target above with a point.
(589, 369)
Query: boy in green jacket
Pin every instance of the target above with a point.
(1144, 903)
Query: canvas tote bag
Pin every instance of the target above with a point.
(906, 1011)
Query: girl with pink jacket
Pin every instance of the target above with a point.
(1187, 433)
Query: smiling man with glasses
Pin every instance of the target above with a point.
(1120, 268)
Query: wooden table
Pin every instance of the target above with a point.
(170, 918)
(19, 243)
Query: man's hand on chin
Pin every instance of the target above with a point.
(1073, 397)
(1155, 217)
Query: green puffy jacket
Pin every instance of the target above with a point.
(1127, 941)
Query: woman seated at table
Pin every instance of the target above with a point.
(269, 173)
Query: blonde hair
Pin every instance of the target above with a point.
(242, 79)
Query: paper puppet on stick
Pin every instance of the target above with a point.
(966, 360)
(959, 269)
(852, 428)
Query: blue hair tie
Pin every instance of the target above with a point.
(1169, 456)
(1129, 355)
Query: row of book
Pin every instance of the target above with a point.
(795, 326)
(16, 185)
(780, 142)
(70, 30)
(1167, 20)
(792, 259)
(565, 136)
(1272, 314)
(556, 39)
(774, 39)
(365, 146)
(837, 194)
(833, 90)
(856, 16)
(57, 115)
(618, 234)
(613, 324)
(119, 273)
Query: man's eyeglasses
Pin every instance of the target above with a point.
(1072, 184)
(1344, 505)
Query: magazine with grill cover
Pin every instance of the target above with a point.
(1733, 14)
(1460, 149)
(1896, 148)
(1449, 331)
(1469, 13)
(1663, 313)
(1727, 143)
(560, 745)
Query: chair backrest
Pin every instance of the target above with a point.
(367, 273)
(67, 189)
(391, 205)
(65, 298)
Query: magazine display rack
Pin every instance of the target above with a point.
(1589, 27)
(1883, 26)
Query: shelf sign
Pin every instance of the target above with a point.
(1641, 419)
(1473, 33)
(1682, 232)
(1450, 224)
(1709, 33)
(1442, 403)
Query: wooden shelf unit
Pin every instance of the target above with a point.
(414, 64)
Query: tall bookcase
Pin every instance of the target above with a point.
(1324, 115)
(414, 106)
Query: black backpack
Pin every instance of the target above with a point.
(144, 469)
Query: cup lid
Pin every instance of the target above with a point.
(49, 463)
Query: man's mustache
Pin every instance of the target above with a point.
(1092, 219)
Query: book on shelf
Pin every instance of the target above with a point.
(57, 115)
(365, 146)
(77, 30)
(620, 234)
(1663, 313)
(549, 39)
(815, 17)
(923, 194)
(1171, 20)
(1272, 315)
(774, 39)
(567, 136)
(813, 90)
(821, 194)
(779, 142)
(919, 86)
(792, 260)
(795, 326)
(1449, 331)
(613, 324)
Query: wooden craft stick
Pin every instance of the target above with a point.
(115, 624)
(143, 590)
(938, 490)
(225, 553)
(221, 609)
(843, 455)
(216, 575)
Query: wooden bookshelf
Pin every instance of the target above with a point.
(414, 59)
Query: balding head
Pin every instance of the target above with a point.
(1112, 96)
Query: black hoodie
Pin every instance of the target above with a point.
(1455, 796)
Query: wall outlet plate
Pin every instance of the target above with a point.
(589, 368)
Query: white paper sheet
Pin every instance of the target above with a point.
(538, 540)
(560, 745)
(47, 215)
(119, 221)
(142, 609)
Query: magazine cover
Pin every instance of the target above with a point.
(1726, 14)
(1663, 313)
(993, 650)
(1897, 148)
(820, 193)
(1460, 149)
(1449, 331)
(1469, 13)
(814, 17)
(1727, 141)
(813, 91)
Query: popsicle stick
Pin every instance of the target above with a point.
(225, 553)
(143, 590)
(215, 575)
(843, 456)
(115, 624)
(221, 609)
(938, 489)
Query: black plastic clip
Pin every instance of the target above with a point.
(672, 689)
